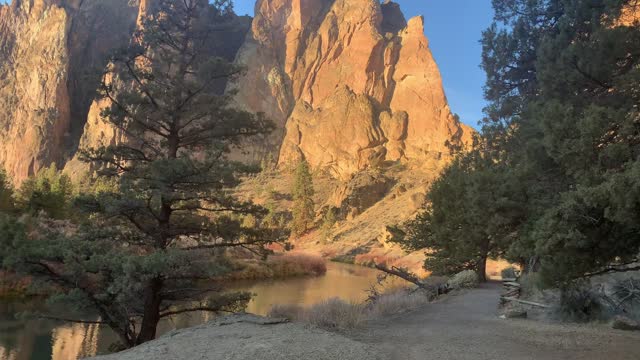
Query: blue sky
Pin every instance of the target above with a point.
(454, 30)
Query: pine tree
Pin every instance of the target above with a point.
(138, 258)
(303, 204)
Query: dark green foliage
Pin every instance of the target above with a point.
(303, 206)
(553, 183)
(6, 193)
(329, 220)
(50, 191)
(467, 218)
(574, 143)
(162, 212)
(580, 303)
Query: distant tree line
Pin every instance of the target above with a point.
(552, 182)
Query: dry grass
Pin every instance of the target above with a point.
(281, 266)
(337, 314)
(397, 302)
(293, 264)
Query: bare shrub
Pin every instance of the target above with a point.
(289, 312)
(627, 292)
(281, 266)
(397, 302)
(335, 314)
(296, 264)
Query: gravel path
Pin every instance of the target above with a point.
(466, 327)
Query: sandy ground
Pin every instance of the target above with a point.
(458, 327)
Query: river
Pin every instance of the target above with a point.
(47, 340)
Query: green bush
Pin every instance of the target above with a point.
(509, 273)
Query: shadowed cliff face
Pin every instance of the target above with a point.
(52, 53)
(307, 59)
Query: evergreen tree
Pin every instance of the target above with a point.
(560, 192)
(562, 132)
(166, 227)
(467, 217)
(329, 221)
(6, 193)
(50, 191)
(303, 204)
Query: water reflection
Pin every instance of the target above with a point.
(46, 340)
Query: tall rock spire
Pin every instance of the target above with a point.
(303, 56)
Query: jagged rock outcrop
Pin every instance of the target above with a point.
(302, 54)
(52, 52)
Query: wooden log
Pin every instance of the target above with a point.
(511, 284)
(531, 303)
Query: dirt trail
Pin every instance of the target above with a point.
(466, 327)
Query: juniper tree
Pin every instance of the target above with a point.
(139, 257)
(467, 217)
(303, 204)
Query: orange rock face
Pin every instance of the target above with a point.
(303, 55)
(349, 83)
(51, 52)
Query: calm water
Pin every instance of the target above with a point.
(45, 340)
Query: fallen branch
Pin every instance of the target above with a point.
(505, 298)
(412, 278)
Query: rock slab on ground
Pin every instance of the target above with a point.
(625, 323)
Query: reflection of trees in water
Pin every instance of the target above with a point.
(44, 340)
(75, 341)
(29, 339)
(7, 354)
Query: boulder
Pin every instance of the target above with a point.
(625, 323)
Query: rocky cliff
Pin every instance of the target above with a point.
(350, 83)
(52, 52)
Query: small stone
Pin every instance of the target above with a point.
(515, 314)
(624, 323)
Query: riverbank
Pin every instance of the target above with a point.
(457, 327)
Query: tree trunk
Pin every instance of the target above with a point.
(481, 269)
(151, 317)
